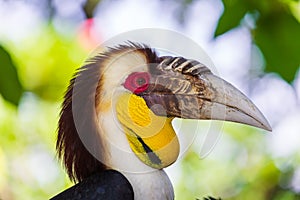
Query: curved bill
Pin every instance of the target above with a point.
(204, 96)
(230, 104)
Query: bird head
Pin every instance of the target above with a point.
(141, 92)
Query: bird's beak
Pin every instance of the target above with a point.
(200, 95)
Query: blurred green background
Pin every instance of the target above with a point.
(255, 44)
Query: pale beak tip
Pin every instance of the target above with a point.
(267, 127)
(264, 124)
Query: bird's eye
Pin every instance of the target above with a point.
(137, 82)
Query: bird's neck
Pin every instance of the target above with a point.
(151, 185)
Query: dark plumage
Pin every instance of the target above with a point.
(98, 187)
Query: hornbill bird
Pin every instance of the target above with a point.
(115, 131)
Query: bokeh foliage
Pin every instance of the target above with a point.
(275, 30)
(244, 169)
(34, 76)
(41, 68)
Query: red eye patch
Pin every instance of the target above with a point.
(137, 82)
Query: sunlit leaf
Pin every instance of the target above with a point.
(234, 11)
(10, 86)
(277, 36)
(46, 70)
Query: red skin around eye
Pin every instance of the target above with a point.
(132, 84)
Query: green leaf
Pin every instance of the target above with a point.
(234, 11)
(277, 35)
(10, 86)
